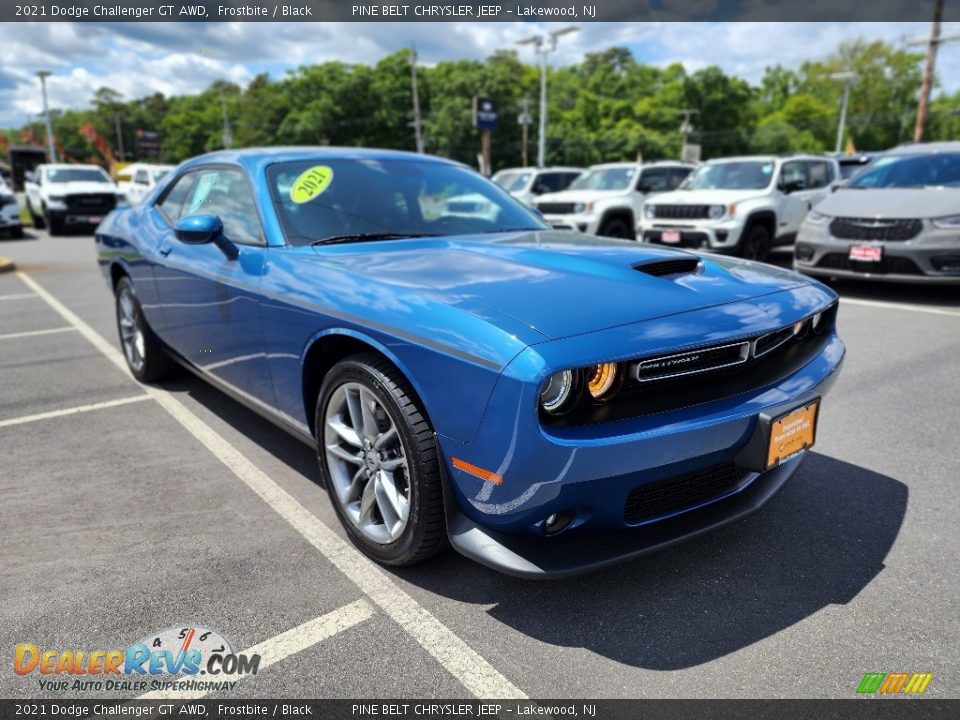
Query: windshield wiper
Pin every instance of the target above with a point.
(363, 237)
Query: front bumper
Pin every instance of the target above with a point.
(587, 224)
(933, 257)
(567, 554)
(720, 236)
(590, 472)
(10, 215)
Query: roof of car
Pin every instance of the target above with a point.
(71, 166)
(552, 168)
(294, 153)
(918, 148)
(768, 158)
(641, 164)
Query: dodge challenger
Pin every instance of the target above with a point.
(545, 402)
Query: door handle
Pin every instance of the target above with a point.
(166, 250)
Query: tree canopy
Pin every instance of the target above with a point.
(608, 107)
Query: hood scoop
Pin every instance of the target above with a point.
(667, 268)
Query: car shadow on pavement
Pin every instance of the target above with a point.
(818, 543)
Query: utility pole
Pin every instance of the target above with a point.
(117, 121)
(416, 101)
(932, 43)
(848, 78)
(542, 46)
(686, 128)
(525, 121)
(43, 75)
(227, 133)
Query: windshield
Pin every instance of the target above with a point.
(65, 175)
(851, 167)
(318, 199)
(740, 175)
(513, 181)
(612, 178)
(902, 171)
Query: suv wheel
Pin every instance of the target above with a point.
(616, 228)
(38, 223)
(755, 244)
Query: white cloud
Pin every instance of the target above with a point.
(141, 58)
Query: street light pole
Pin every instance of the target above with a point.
(932, 43)
(227, 132)
(542, 46)
(51, 149)
(848, 79)
(416, 101)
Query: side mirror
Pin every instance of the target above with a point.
(203, 229)
(199, 229)
(794, 186)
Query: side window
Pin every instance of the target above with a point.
(226, 194)
(818, 174)
(793, 176)
(141, 177)
(654, 180)
(569, 178)
(171, 204)
(677, 176)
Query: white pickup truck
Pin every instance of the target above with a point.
(67, 195)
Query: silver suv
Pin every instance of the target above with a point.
(739, 205)
(897, 220)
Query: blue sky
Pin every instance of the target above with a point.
(140, 58)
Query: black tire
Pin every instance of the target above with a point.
(37, 221)
(55, 225)
(425, 533)
(755, 244)
(16, 233)
(616, 228)
(156, 364)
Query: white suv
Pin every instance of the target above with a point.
(741, 205)
(606, 200)
(59, 195)
(526, 184)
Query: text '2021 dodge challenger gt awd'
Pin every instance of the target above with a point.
(546, 402)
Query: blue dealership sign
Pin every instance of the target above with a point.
(484, 113)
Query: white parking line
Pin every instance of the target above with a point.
(73, 410)
(285, 644)
(478, 676)
(33, 333)
(19, 296)
(899, 306)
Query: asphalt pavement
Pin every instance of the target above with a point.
(126, 510)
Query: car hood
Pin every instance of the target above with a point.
(80, 188)
(576, 196)
(705, 197)
(894, 203)
(557, 283)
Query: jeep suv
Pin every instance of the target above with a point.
(741, 205)
(606, 199)
(527, 184)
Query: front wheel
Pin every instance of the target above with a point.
(616, 228)
(755, 245)
(379, 461)
(38, 223)
(146, 358)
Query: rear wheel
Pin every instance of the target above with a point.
(755, 244)
(146, 358)
(55, 224)
(378, 458)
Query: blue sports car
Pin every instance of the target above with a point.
(545, 402)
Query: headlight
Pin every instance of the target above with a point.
(816, 218)
(602, 380)
(951, 221)
(717, 211)
(649, 211)
(582, 207)
(556, 393)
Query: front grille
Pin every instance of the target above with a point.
(874, 229)
(681, 212)
(682, 491)
(555, 208)
(771, 341)
(696, 361)
(91, 203)
(887, 266)
(662, 268)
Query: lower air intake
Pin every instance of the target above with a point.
(682, 491)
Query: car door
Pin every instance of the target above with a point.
(793, 185)
(819, 176)
(210, 303)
